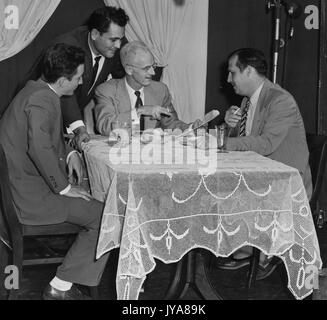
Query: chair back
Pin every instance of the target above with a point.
(10, 226)
(317, 145)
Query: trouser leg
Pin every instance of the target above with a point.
(80, 265)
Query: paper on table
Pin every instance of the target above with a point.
(207, 118)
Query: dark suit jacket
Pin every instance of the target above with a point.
(32, 138)
(72, 107)
(277, 132)
(113, 103)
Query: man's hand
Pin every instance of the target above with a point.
(153, 111)
(196, 123)
(233, 116)
(78, 192)
(81, 136)
(75, 165)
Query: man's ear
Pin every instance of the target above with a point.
(61, 81)
(129, 70)
(94, 34)
(250, 71)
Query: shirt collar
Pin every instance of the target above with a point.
(52, 89)
(131, 91)
(255, 97)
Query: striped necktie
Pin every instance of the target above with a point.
(244, 119)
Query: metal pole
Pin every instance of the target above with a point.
(277, 17)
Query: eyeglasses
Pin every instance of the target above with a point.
(146, 68)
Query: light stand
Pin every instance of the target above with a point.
(276, 6)
(293, 11)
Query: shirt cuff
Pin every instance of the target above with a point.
(66, 190)
(76, 124)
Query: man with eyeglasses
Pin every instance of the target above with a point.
(101, 40)
(136, 99)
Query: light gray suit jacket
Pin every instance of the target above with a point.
(113, 103)
(277, 132)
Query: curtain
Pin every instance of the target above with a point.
(20, 22)
(176, 32)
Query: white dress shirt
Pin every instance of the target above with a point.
(253, 105)
(133, 98)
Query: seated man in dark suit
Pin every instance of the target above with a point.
(31, 134)
(136, 99)
(101, 40)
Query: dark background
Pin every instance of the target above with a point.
(235, 24)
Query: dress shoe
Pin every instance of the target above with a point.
(230, 263)
(266, 270)
(51, 293)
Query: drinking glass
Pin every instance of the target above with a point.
(222, 138)
(121, 131)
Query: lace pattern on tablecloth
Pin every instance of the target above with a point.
(165, 211)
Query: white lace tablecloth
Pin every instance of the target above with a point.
(220, 202)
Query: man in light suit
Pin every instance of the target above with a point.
(101, 40)
(274, 125)
(268, 122)
(118, 99)
(31, 134)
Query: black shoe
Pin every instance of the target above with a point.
(230, 263)
(265, 272)
(51, 293)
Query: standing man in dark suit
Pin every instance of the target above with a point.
(101, 40)
(31, 134)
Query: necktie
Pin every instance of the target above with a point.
(95, 70)
(244, 119)
(138, 104)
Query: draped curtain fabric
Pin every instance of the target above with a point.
(176, 32)
(20, 22)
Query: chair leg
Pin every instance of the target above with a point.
(94, 292)
(253, 268)
(17, 252)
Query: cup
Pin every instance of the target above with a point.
(121, 131)
(221, 138)
(115, 125)
(126, 128)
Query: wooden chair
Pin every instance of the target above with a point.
(317, 145)
(14, 234)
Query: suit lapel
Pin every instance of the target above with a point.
(260, 109)
(122, 97)
(150, 99)
(88, 63)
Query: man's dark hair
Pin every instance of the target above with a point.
(61, 60)
(251, 57)
(102, 18)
